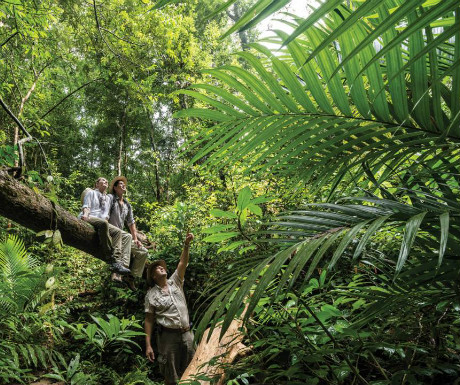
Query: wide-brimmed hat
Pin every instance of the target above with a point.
(151, 269)
(117, 178)
(83, 194)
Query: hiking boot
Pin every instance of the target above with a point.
(117, 267)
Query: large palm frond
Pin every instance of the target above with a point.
(370, 96)
(319, 235)
(366, 97)
(20, 275)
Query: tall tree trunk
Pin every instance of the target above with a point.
(155, 164)
(235, 16)
(156, 170)
(21, 109)
(122, 127)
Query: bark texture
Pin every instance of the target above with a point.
(226, 350)
(24, 206)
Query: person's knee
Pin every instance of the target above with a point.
(104, 225)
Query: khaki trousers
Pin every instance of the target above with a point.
(175, 350)
(109, 237)
(132, 255)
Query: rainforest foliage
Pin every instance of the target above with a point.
(317, 165)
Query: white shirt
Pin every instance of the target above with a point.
(98, 204)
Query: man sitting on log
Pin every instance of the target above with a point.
(95, 210)
(121, 214)
(166, 307)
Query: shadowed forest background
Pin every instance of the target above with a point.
(317, 165)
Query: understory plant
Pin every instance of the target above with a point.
(27, 327)
(113, 341)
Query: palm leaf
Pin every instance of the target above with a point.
(326, 224)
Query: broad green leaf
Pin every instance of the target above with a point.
(219, 237)
(216, 229)
(73, 366)
(223, 214)
(91, 330)
(231, 246)
(254, 209)
(244, 198)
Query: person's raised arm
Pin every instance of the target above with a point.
(148, 326)
(183, 262)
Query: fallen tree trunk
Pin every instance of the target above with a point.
(24, 206)
(212, 357)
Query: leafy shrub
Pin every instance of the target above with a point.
(72, 374)
(112, 341)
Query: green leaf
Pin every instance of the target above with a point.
(244, 198)
(258, 7)
(231, 246)
(349, 236)
(73, 366)
(444, 221)
(91, 331)
(216, 229)
(374, 226)
(254, 209)
(317, 14)
(114, 323)
(331, 310)
(223, 214)
(220, 237)
(412, 227)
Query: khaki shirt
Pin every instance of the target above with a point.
(169, 308)
(120, 214)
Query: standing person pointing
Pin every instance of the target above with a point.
(166, 307)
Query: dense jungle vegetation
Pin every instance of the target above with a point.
(317, 165)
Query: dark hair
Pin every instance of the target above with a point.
(116, 182)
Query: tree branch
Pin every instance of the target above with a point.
(30, 137)
(68, 96)
(8, 111)
(7, 40)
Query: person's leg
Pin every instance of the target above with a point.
(115, 234)
(139, 255)
(186, 352)
(105, 240)
(169, 346)
(126, 240)
(118, 252)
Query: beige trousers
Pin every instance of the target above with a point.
(109, 237)
(132, 255)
